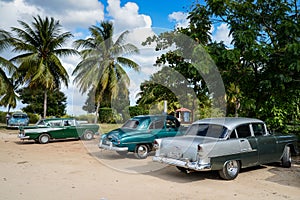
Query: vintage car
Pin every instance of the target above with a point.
(57, 128)
(138, 134)
(18, 119)
(225, 145)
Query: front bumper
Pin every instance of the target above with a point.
(23, 137)
(186, 164)
(111, 147)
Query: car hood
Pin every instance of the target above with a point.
(183, 147)
(125, 132)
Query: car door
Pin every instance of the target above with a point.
(249, 155)
(70, 128)
(266, 144)
(168, 127)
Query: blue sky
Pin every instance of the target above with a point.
(141, 17)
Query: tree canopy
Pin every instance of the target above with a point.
(260, 69)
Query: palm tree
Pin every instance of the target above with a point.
(102, 60)
(8, 96)
(40, 46)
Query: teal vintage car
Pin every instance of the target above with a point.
(138, 134)
(57, 128)
(18, 119)
(226, 145)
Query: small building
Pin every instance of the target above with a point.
(183, 115)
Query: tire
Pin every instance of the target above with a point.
(286, 159)
(141, 151)
(182, 169)
(230, 170)
(88, 135)
(44, 138)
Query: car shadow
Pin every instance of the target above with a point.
(171, 173)
(286, 176)
(26, 142)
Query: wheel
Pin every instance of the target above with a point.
(88, 135)
(286, 159)
(122, 153)
(182, 169)
(141, 151)
(230, 170)
(44, 138)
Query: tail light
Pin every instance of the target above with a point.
(199, 148)
(156, 145)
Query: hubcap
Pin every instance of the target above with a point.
(232, 168)
(44, 139)
(142, 150)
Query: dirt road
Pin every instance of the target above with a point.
(75, 169)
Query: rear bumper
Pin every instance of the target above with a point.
(186, 164)
(111, 147)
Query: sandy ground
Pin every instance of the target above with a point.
(75, 169)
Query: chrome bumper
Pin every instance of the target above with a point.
(186, 164)
(111, 147)
(23, 137)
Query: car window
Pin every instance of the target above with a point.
(233, 134)
(171, 123)
(131, 124)
(40, 123)
(258, 129)
(55, 123)
(209, 130)
(157, 124)
(243, 131)
(69, 123)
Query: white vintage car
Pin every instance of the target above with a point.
(225, 145)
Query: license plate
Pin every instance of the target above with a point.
(175, 155)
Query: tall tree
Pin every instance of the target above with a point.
(8, 84)
(56, 104)
(40, 46)
(102, 60)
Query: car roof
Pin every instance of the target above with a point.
(53, 119)
(228, 122)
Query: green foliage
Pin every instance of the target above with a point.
(56, 102)
(39, 44)
(33, 118)
(3, 117)
(108, 115)
(137, 110)
(101, 69)
(260, 70)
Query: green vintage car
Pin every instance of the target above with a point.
(57, 128)
(138, 134)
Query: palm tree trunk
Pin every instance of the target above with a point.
(97, 112)
(45, 104)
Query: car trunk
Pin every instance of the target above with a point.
(183, 148)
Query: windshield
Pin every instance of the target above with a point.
(209, 130)
(131, 124)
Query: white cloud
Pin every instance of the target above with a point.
(127, 17)
(222, 34)
(180, 19)
(72, 14)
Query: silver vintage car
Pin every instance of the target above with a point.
(225, 145)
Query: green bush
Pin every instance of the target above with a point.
(108, 115)
(2, 117)
(33, 118)
(137, 110)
